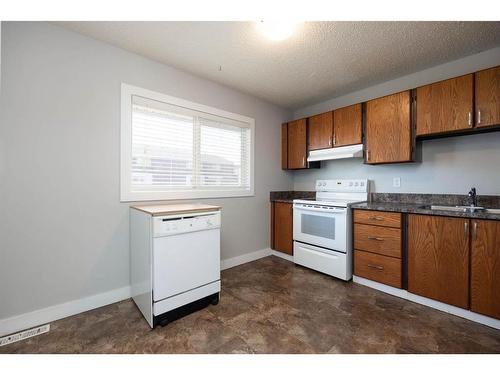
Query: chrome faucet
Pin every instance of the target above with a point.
(473, 197)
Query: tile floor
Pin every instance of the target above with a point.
(273, 306)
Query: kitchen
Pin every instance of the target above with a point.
(223, 208)
(455, 263)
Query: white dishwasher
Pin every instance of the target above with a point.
(175, 260)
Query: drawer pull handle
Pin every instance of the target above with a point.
(378, 218)
(375, 238)
(375, 266)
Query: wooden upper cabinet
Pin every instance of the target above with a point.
(485, 267)
(284, 146)
(445, 106)
(347, 126)
(388, 129)
(282, 227)
(488, 97)
(297, 144)
(438, 258)
(320, 128)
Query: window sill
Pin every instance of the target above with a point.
(186, 195)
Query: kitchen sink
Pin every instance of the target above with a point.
(457, 208)
(463, 209)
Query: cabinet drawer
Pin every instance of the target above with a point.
(385, 270)
(385, 219)
(380, 240)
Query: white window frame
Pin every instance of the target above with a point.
(126, 192)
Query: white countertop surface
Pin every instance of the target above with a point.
(171, 209)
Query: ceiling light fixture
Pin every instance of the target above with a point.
(277, 30)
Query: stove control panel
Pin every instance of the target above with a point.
(347, 186)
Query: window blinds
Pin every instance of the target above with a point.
(176, 148)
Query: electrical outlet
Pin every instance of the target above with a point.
(396, 182)
(24, 334)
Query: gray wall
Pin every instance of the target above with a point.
(450, 165)
(64, 234)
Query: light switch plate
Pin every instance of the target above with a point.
(396, 182)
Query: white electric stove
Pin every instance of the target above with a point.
(322, 227)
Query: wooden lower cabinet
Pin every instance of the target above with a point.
(438, 258)
(378, 247)
(382, 218)
(282, 227)
(485, 267)
(376, 239)
(376, 267)
(448, 259)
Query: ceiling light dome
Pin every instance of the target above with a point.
(277, 30)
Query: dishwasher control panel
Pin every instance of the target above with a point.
(170, 225)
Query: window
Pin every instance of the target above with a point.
(175, 149)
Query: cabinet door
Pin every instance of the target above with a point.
(445, 106)
(388, 130)
(297, 146)
(488, 97)
(438, 258)
(283, 227)
(320, 128)
(284, 146)
(485, 268)
(347, 126)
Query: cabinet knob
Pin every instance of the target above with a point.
(478, 117)
(470, 118)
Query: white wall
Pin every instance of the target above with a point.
(450, 165)
(64, 234)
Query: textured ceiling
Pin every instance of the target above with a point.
(321, 60)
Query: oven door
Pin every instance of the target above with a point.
(320, 226)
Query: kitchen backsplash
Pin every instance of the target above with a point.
(449, 165)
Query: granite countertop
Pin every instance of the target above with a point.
(420, 204)
(289, 196)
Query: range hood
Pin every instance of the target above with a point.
(354, 151)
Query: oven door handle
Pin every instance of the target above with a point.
(327, 210)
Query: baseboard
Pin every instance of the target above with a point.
(63, 310)
(466, 314)
(245, 258)
(281, 255)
